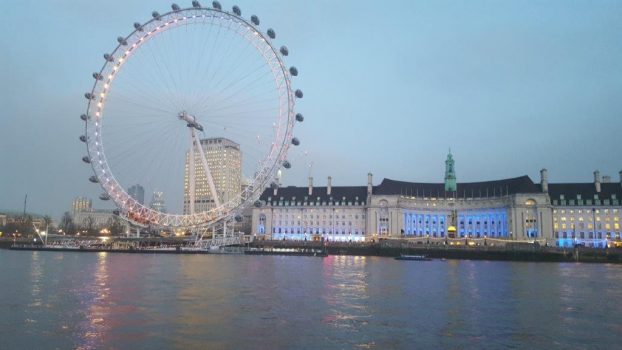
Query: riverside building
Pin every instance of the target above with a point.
(81, 204)
(490, 212)
(138, 193)
(224, 160)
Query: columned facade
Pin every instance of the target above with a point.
(516, 209)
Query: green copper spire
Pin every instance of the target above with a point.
(450, 174)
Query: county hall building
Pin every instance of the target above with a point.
(516, 209)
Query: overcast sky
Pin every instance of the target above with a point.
(510, 86)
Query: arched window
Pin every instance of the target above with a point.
(530, 202)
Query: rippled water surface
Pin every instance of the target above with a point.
(120, 301)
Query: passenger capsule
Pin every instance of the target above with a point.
(175, 7)
(93, 179)
(238, 218)
(86, 159)
(293, 71)
(97, 76)
(300, 117)
(84, 117)
(104, 196)
(89, 96)
(196, 4)
(255, 20)
(287, 164)
(216, 5)
(257, 204)
(299, 93)
(271, 33)
(138, 26)
(116, 212)
(284, 51)
(155, 15)
(295, 141)
(108, 57)
(83, 138)
(274, 185)
(122, 40)
(237, 10)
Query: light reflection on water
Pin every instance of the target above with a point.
(92, 301)
(345, 293)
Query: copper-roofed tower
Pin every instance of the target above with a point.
(450, 174)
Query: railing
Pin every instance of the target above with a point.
(219, 241)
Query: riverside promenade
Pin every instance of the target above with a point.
(508, 252)
(386, 248)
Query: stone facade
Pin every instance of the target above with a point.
(515, 209)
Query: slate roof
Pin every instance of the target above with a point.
(351, 193)
(522, 184)
(587, 190)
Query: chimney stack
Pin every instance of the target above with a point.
(310, 185)
(597, 181)
(329, 187)
(544, 180)
(275, 187)
(369, 184)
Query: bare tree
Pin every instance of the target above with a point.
(115, 226)
(89, 225)
(47, 222)
(67, 225)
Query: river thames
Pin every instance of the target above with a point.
(101, 300)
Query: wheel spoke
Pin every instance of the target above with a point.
(193, 62)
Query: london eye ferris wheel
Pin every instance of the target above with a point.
(196, 105)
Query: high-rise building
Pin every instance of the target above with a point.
(224, 160)
(81, 204)
(157, 202)
(138, 193)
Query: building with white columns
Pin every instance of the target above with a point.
(515, 209)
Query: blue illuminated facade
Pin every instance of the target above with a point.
(484, 223)
(422, 224)
(470, 223)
